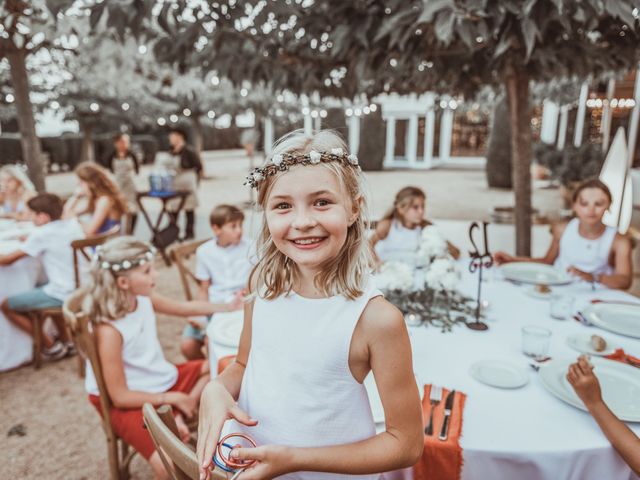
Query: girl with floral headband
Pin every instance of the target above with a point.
(121, 303)
(314, 328)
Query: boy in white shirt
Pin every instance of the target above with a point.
(50, 242)
(222, 269)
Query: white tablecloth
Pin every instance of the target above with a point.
(527, 433)
(15, 345)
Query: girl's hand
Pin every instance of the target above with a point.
(502, 257)
(584, 382)
(216, 407)
(183, 402)
(579, 273)
(271, 461)
(238, 301)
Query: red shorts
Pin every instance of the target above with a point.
(129, 425)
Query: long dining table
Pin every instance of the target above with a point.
(525, 433)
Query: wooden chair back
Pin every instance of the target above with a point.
(84, 247)
(81, 331)
(180, 255)
(178, 458)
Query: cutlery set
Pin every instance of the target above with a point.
(435, 397)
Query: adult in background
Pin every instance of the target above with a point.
(188, 170)
(124, 166)
(15, 190)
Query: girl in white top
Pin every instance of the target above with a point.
(397, 235)
(121, 303)
(585, 246)
(313, 331)
(15, 190)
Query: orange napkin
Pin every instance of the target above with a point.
(441, 460)
(224, 362)
(620, 356)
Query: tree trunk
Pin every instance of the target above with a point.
(498, 169)
(198, 140)
(517, 83)
(31, 151)
(87, 154)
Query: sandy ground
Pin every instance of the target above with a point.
(63, 437)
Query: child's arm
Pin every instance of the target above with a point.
(181, 308)
(586, 385)
(380, 233)
(14, 256)
(388, 351)
(109, 343)
(218, 401)
(550, 257)
(103, 206)
(203, 290)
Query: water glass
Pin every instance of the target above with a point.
(561, 307)
(535, 341)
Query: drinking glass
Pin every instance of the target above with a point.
(561, 307)
(535, 341)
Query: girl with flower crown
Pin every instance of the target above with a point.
(120, 301)
(314, 328)
(398, 235)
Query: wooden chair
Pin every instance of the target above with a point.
(119, 452)
(180, 254)
(82, 247)
(178, 458)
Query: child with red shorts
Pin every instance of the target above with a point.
(121, 304)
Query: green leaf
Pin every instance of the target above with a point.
(444, 26)
(529, 32)
(464, 30)
(96, 14)
(503, 46)
(431, 7)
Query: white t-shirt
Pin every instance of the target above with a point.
(227, 268)
(51, 244)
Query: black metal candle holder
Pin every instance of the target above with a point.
(479, 261)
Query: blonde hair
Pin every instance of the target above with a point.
(346, 274)
(103, 299)
(404, 199)
(18, 172)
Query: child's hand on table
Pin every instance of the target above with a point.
(584, 382)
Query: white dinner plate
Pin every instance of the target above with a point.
(227, 328)
(535, 273)
(582, 343)
(532, 292)
(500, 374)
(621, 318)
(619, 382)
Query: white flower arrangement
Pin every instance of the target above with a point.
(337, 151)
(432, 244)
(442, 275)
(395, 276)
(353, 159)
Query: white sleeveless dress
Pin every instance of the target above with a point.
(401, 244)
(297, 383)
(591, 256)
(145, 367)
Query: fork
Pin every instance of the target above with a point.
(435, 396)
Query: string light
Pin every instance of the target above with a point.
(186, 112)
(125, 106)
(211, 114)
(94, 107)
(142, 49)
(161, 121)
(9, 98)
(173, 118)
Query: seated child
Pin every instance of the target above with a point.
(50, 242)
(121, 303)
(222, 269)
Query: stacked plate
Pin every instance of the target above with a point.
(619, 382)
(620, 318)
(535, 273)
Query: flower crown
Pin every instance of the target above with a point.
(282, 162)
(124, 264)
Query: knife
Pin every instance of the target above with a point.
(448, 406)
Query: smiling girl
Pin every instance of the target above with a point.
(585, 246)
(314, 329)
